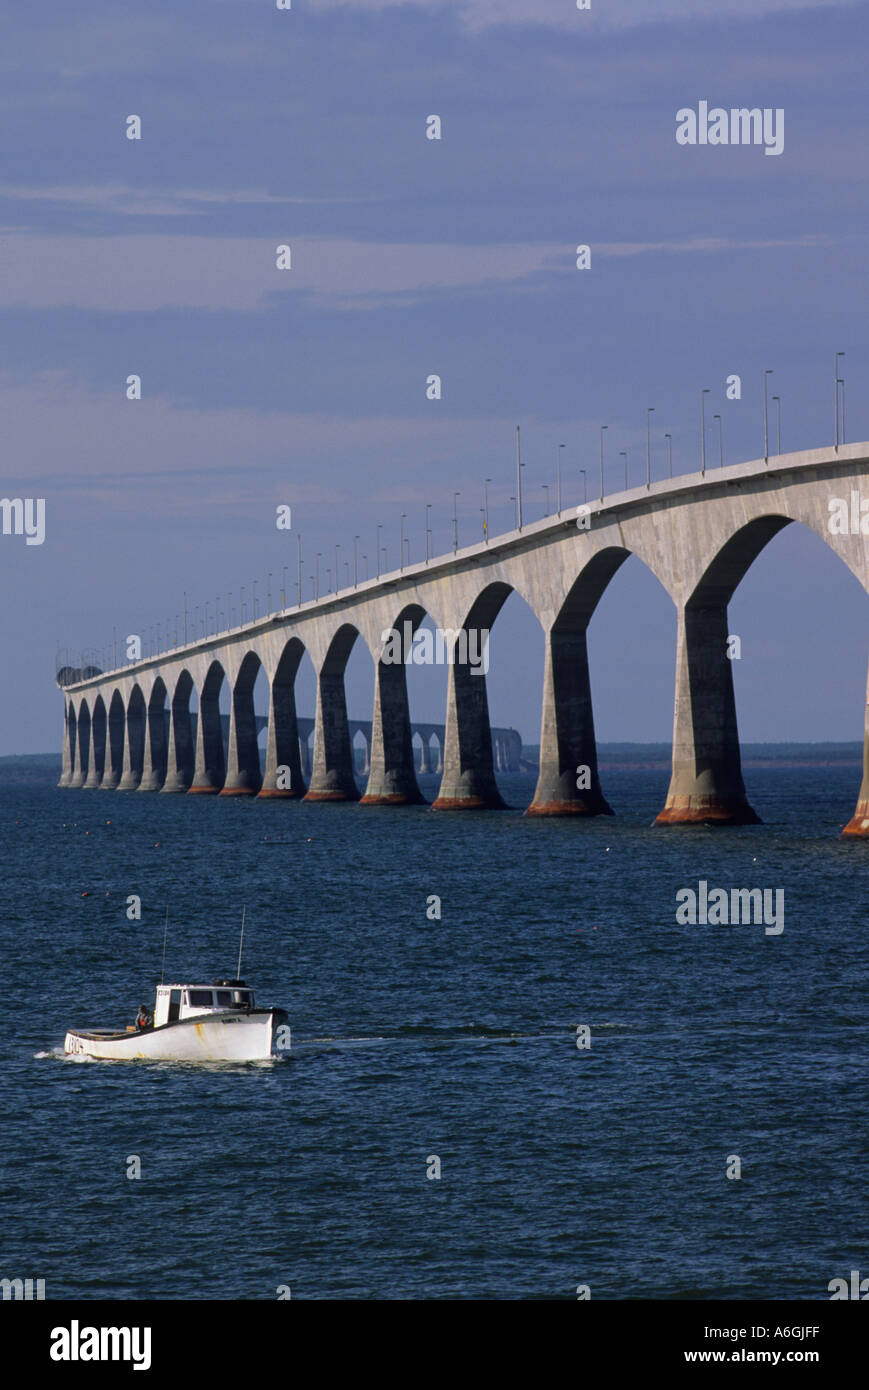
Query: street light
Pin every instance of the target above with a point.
(486, 482)
(546, 490)
(427, 529)
(777, 400)
(241, 611)
(841, 382)
(401, 542)
(284, 586)
(337, 571)
(767, 372)
(703, 394)
(365, 558)
(253, 590)
(650, 410)
(584, 485)
(602, 428)
(669, 439)
(379, 529)
(455, 523)
(836, 380)
(518, 483)
(558, 474)
(317, 575)
(623, 454)
(355, 563)
(720, 441)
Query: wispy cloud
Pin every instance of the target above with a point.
(151, 202)
(143, 273)
(603, 14)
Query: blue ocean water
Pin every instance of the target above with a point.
(456, 1038)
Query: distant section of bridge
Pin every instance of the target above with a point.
(698, 534)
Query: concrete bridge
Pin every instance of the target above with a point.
(698, 534)
(506, 743)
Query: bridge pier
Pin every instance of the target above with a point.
(97, 752)
(568, 749)
(332, 774)
(392, 778)
(180, 759)
(468, 781)
(154, 764)
(66, 751)
(858, 826)
(283, 748)
(706, 783)
(209, 767)
(243, 777)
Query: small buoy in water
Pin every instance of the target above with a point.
(309, 839)
(85, 895)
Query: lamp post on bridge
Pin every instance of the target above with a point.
(379, 529)
(558, 475)
(836, 380)
(284, 586)
(317, 575)
(767, 372)
(401, 542)
(455, 523)
(486, 482)
(546, 490)
(337, 570)
(650, 410)
(703, 394)
(584, 486)
(355, 563)
(602, 429)
(669, 439)
(427, 530)
(623, 454)
(777, 400)
(720, 441)
(518, 482)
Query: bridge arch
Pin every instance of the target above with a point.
(210, 762)
(332, 774)
(134, 741)
(391, 772)
(97, 768)
(156, 743)
(181, 751)
(283, 774)
(83, 744)
(243, 777)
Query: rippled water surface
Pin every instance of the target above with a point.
(456, 1038)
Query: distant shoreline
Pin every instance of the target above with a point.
(43, 769)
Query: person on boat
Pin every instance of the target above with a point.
(143, 1018)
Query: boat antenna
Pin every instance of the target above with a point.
(241, 941)
(165, 933)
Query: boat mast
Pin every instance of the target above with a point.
(165, 932)
(241, 940)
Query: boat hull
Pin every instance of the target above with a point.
(251, 1036)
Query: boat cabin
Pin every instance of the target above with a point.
(175, 1002)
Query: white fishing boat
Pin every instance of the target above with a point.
(217, 1022)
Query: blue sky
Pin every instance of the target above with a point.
(411, 256)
